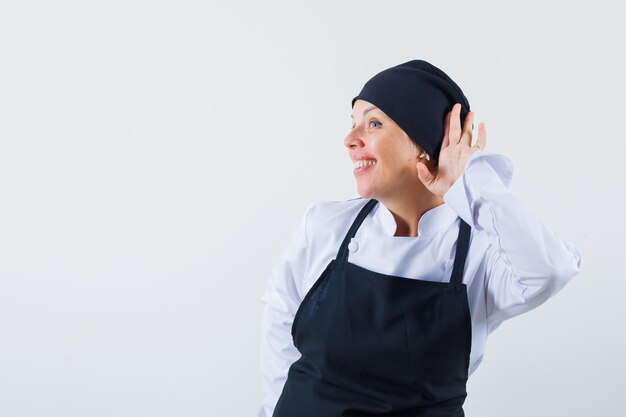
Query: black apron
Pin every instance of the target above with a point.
(380, 345)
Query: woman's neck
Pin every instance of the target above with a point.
(408, 209)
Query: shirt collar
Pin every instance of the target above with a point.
(435, 220)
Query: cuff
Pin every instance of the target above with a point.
(485, 170)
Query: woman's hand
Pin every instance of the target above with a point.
(456, 149)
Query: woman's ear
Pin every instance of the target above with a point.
(423, 155)
(428, 160)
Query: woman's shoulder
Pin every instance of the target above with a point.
(331, 215)
(326, 210)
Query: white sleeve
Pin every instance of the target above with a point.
(526, 262)
(282, 298)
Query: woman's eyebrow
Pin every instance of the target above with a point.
(366, 110)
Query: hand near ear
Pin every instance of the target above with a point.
(456, 149)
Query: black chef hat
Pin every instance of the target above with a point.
(416, 95)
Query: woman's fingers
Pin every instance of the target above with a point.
(466, 136)
(424, 174)
(455, 124)
(482, 135)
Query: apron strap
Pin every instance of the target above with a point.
(342, 255)
(462, 245)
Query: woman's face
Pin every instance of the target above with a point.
(376, 137)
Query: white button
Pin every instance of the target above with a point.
(353, 246)
(449, 263)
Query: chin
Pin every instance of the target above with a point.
(365, 192)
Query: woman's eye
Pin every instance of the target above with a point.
(373, 121)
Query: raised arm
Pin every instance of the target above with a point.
(526, 262)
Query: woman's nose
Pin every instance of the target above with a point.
(352, 139)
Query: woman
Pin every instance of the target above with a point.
(381, 305)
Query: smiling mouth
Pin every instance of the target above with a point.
(363, 166)
(364, 162)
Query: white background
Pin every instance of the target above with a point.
(156, 156)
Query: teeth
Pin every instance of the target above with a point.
(361, 164)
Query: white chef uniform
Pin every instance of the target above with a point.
(514, 263)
